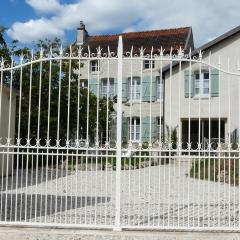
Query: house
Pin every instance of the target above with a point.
(7, 128)
(201, 102)
(138, 78)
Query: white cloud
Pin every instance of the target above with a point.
(207, 20)
(34, 30)
(44, 6)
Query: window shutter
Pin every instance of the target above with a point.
(188, 84)
(154, 129)
(93, 86)
(214, 83)
(146, 88)
(145, 128)
(125, 129)
(154, 89)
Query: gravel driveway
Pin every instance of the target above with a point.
(162, 195)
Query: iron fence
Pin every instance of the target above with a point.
(157, 147)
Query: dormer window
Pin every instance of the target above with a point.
(148, 64)
(94, 66)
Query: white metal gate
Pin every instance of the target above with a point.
(145, 139)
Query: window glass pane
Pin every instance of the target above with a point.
(137, 136)
(84, 83)
(206, 83)
(206, 86)
(196, 90)
(94, 66)
(197, 82)
(146, 64)
(134, 88)
(134, 129)
(206, 75)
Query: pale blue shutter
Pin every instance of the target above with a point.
(214, 83)
(146, 93)
(188, 84)
(125, 129)
(154, 89)
(93, 85)
(145, 128)
(146, 88)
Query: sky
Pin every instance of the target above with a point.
(31, 20)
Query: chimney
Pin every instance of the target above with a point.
(81, 34)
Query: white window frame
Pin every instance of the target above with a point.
(201, 87)
(94, 66)
(105, 88)
(134, 129)
(159, 89)
(135, 89)
(147, 64)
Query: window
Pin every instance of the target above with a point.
(134, 88)
(108, 90)
(159, 88)
(134, 129)
(147, 64)
(201, 83)
(83, 83)
(94, 66)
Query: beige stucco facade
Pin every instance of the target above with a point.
(225, 106)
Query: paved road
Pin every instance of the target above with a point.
(159, 196)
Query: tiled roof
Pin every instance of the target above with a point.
(167, 38)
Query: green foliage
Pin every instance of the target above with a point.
(216, 169)
(173, 138)
(68, 97)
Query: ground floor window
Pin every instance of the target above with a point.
(134, 129)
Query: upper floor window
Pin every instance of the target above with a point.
(159, 88)
(201, 83)
(148, 64)
(108, 88)
(94, 66)
(134, 88)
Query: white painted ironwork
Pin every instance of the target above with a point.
(138, 139)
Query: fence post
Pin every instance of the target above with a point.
(119, 136)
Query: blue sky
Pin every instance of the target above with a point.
(30, 20)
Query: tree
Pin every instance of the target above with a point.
(39, 109)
